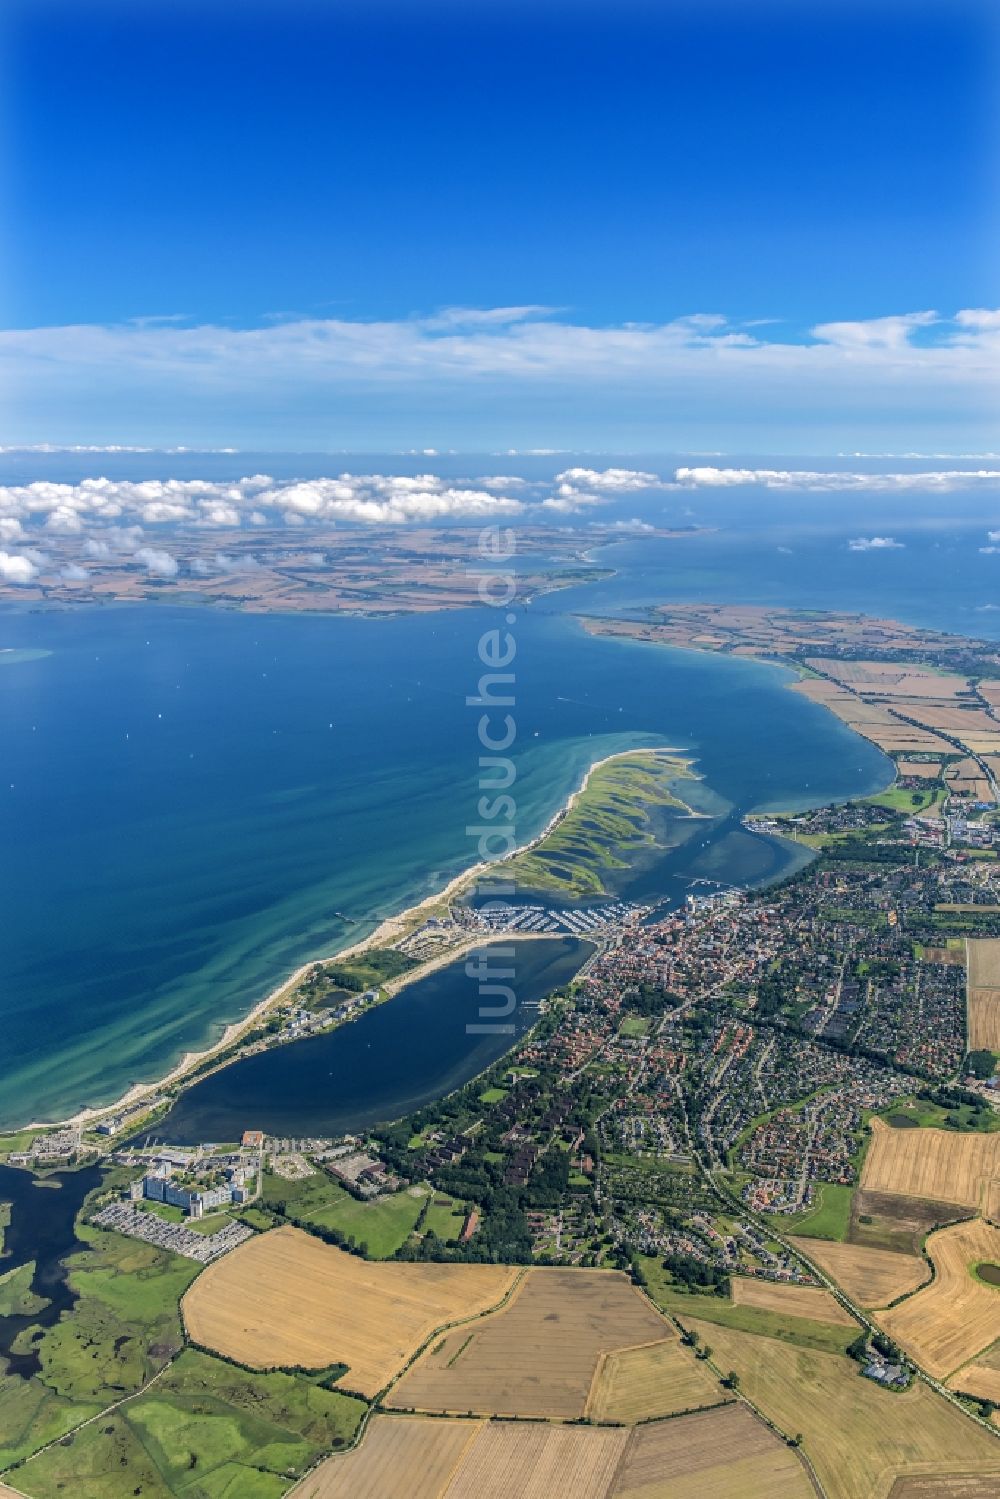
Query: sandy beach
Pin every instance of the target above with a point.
(389, 931)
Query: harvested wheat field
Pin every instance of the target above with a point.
(984, 1019)
(956, 1316)
(712, 1455)
(984, 994)
(871, 1277)
(981, 1377)
(538, 1355)
(539, 1462)
(859, 1437)
(874, 721)
(923, 770)
(397, 1455)
(931, 1163)
(955, 1486)
(285, 1298)
(655, 1379)
(790, 1301)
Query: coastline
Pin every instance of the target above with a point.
(389, 930)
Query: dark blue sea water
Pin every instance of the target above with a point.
(193, 802)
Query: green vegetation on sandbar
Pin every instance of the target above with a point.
(369, 970)
(607, 827)
(207, 1430)
(829, 1219)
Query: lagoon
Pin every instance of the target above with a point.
(412, 1049)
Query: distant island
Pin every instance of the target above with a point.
(375, 571)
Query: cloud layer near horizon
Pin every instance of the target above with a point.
(109, 519)
(496, 373)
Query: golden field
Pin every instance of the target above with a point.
(285, 1298)
(716, 1454)
(539, 1462)
(873, 720)
(871, 1277)
(427, 1459)
(789, 1301)
(859, 1437)
(538, 1355)
(711, 1455)
(655, 1379)
(956, 1316)
(923, 770)
(981, 1377)
(931, 1163)
(396, 1456)
(956, 1486)
(984, 993)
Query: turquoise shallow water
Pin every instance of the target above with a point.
(195, 802)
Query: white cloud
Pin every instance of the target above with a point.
(367, 499)
(10, 528)
(874, 544)
(936, 480)
(990, 551)
(612, 479)
(993, 535)
(161, 564)
(892, 333)
(74, 573)
(244, 564)
(16, 569)
(568, 501)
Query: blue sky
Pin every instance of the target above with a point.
(302, 192)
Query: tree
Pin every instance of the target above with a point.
(981, 1064)
(732, 1380)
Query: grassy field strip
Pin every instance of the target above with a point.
(811, 1302)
